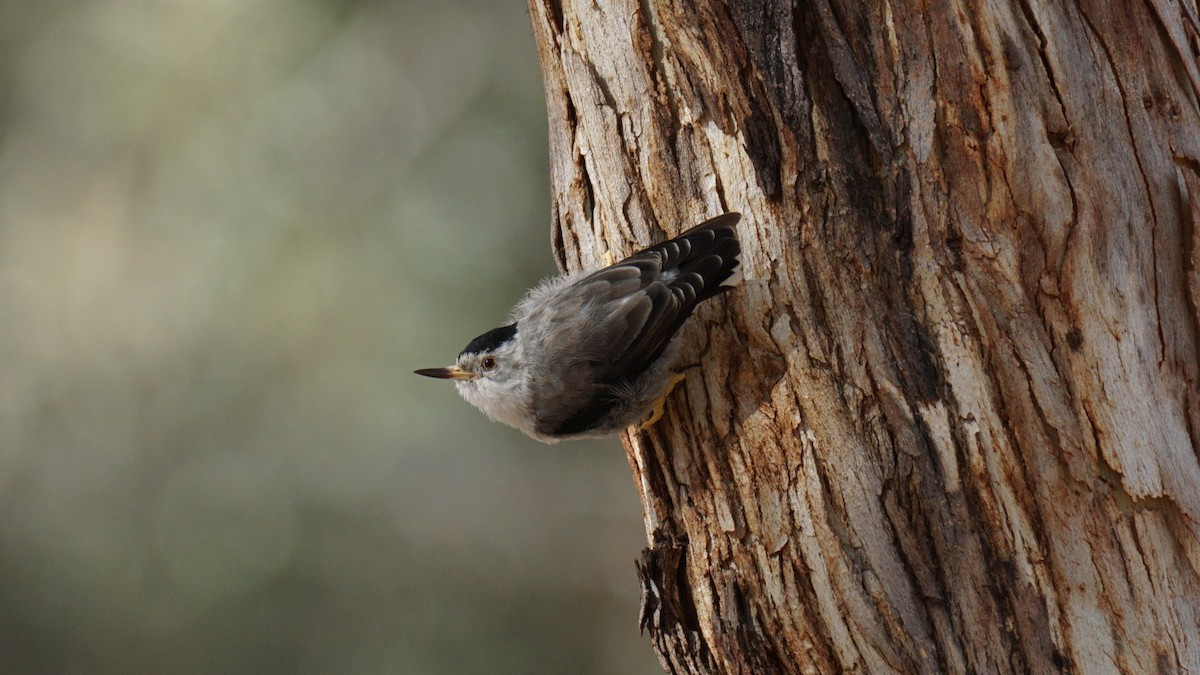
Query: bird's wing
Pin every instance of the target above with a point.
(607, 328)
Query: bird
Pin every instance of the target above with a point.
(591, 354)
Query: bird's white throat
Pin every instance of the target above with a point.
(496, 402)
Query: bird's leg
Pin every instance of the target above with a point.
(608, 259)
(659, 405)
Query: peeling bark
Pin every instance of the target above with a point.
(950, 421)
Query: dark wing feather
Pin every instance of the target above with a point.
(676, 276)
(627, 315)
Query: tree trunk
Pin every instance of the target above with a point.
(950, 421)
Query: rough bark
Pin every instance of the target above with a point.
(950, 421)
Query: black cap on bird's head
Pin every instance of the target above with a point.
(491, 340)
(486, 343)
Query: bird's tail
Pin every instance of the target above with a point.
(706, 258)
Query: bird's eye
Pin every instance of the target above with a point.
(489, 363)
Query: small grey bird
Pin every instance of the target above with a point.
(590, 354)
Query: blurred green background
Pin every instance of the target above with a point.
(229, 231)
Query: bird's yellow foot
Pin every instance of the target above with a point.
(608, 259)
(659, 405)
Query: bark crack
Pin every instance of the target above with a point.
(1188, 64)
(1137, 156)
(1068, 146)
(1190, 234)
(556, 15)
(589, 190)
(1031, 19)
(848, 73)
(662, 74)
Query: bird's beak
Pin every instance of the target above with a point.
(451, 373)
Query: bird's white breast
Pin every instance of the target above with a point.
(498, 404)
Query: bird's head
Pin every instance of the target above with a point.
(489, 375)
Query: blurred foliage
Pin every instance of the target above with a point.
(229, 230)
